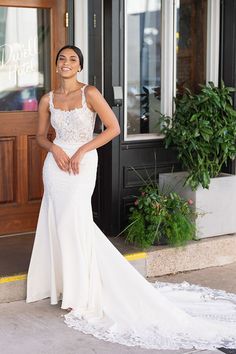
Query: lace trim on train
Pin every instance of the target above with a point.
(155, 337)
(205, 295)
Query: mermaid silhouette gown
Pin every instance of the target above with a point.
(73, 261)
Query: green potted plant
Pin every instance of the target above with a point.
(203, 130)
(160, 218)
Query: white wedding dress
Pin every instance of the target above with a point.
(73, 261)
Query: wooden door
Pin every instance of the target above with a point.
(31, 32)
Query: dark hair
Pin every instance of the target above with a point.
(76, 50)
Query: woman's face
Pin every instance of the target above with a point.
(68, 63)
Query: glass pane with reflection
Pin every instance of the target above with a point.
(191, 44)
(143, 66)
(24, 57)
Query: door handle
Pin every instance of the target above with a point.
(117, 96)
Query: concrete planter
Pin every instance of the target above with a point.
(216, 205)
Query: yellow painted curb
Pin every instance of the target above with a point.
(129, 257)
(13, 278)
(134, 256)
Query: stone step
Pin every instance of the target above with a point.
(207, 252)
(13, 288)
(156, 261)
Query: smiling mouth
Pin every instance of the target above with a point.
(65, 69)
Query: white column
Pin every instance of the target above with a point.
(81, 34)
(213, 40)
(167, 55)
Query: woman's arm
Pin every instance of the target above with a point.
(61, 158)
(43, 124)
(99, 105)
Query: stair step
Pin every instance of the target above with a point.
(13, 288)
(157, 261)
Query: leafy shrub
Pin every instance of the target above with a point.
(160, 218)
(203, 129)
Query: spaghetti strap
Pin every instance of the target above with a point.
(83, 98)
(51, 99)
(83, 95)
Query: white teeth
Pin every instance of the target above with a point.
(65, 69)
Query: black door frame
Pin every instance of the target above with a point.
(117, 183)
(102, 43)
(227, 69)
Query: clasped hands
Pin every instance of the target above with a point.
(66, 163)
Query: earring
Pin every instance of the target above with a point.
(57, 71)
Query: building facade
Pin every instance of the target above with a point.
(138, 54)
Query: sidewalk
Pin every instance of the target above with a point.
(38, 327)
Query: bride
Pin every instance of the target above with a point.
(73, 261)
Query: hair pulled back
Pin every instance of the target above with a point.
(76, 50)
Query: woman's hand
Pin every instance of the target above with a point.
(61, 158)
(75, 161)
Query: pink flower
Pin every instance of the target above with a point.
(143, 194)
(136, 202)
(190, 201)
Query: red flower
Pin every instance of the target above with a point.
(190, 201)
(136, 202)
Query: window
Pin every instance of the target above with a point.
(168, 46)
(143, 63)
(191, 38)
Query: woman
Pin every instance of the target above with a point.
(73, 261)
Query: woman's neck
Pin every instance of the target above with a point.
(68, 86)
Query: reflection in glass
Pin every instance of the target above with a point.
(191, 43)
(143, 65)
(24, 57)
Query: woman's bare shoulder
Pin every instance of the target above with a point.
(92, 91)
(45, 99)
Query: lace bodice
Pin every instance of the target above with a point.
(73, 126)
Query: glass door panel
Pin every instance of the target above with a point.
(24, 57)
(142, 67)
(191, 40)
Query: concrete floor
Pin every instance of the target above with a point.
(223, 277)
(38, 327)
